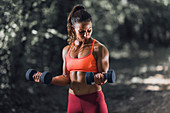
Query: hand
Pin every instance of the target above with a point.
(37, 76)
(99, 78)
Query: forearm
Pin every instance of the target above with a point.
(60, 80)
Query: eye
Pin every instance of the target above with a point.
(89, 30)
(81, 32)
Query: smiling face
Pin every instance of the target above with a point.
(83, 31)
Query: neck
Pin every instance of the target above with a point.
(79, 45)
(86, 41)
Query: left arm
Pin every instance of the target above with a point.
(102, 64)
(103, 59)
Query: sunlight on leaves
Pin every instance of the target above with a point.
(34, 41)
(34, 31)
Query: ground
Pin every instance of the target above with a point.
(139, 88)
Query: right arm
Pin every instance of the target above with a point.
(63, 79)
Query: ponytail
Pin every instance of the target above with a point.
(77, 14)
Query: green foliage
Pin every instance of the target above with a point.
(140, 24)
(33, 33)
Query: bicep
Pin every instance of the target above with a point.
(103, 60)
(64, 54)
(64, 68)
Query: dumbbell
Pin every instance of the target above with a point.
(110, 76)
(46, 77)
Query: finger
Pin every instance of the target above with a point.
(39, 77)
(37, 80)
(103, 72)
(38, 74)
(96, 78)
(100, 78)
(34, 76)
(103, 79)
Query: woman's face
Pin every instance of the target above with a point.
(83, 31)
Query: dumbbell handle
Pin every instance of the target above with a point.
(109, 76)
(92, 78)
(105, 74)
(45, 77)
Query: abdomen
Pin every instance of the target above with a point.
(78, 84)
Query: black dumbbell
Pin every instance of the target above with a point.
(29, 74)
(110, 76)
(46, 77)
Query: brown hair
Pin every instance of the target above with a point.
(77, 14)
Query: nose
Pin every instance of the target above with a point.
(85, 34)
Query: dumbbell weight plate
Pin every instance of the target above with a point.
(29, 74)
(46, 77)
(90, 78)
(111, 76)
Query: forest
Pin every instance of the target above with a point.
(136, 33)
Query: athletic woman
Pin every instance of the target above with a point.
(83, 54)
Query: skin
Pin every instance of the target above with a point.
(76, 79)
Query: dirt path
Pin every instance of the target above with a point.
(142, 86)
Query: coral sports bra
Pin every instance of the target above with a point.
(84, 64)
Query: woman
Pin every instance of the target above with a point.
(83, 54)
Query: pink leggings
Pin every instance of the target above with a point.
(90, 103)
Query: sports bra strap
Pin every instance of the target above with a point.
(91, 50)
(70, 48)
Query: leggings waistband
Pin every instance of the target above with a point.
(91, 94)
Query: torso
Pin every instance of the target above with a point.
(78, 84)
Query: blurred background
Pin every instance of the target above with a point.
(136, 33)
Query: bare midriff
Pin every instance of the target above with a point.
(78, 85)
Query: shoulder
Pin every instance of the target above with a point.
(100, 48)
(66, 48)
(65, 51)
